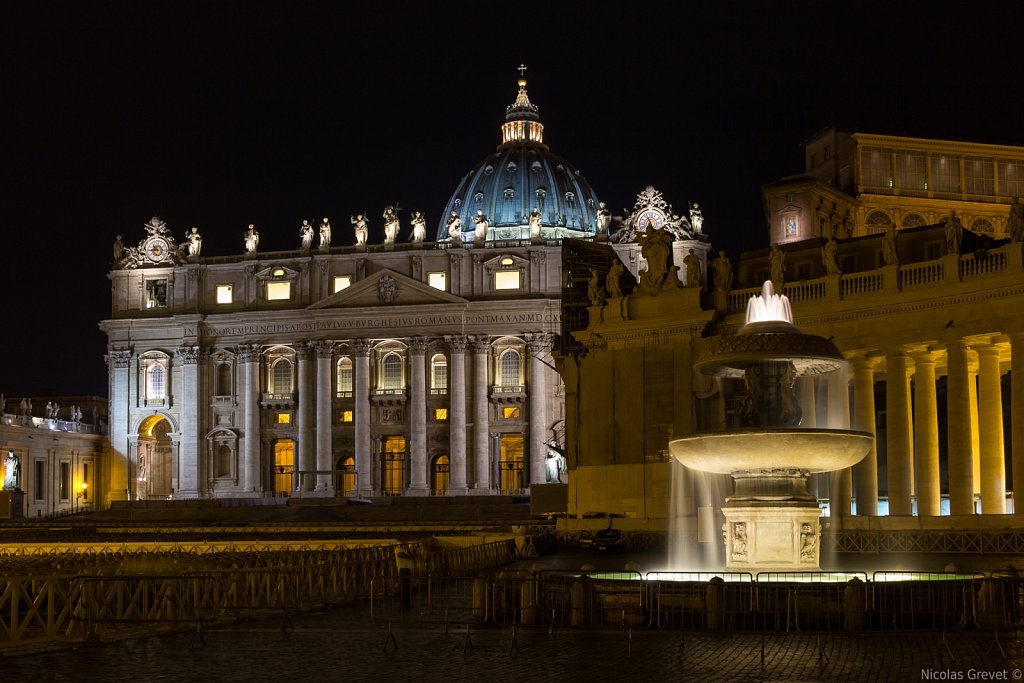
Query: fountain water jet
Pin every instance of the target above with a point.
(771, 518)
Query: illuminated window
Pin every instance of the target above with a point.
(506, 279)
(279, 291)
(156, 293)
(282, 377)
(440, 414)
(1011, 178)
(392, 471)
(284, 418)
(155, 382)
(945, 173)
(346, 416)
(438, 374)
(391, 372)
(65, 481)
(345, 376)
(979, 176)
(342, 282)
(510, 413)
(509, 365)
(224, 294)
(437, 280)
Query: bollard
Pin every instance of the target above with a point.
(582, 601)
(480, 598)
(714, 603)
(855, 605)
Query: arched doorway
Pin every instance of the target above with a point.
(392, 466)
(153, 464)
(345, 483)
(440, 471)
(284, 466)
(510, 466)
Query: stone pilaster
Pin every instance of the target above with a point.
(418, 419)
(304, 452)
(249, 357)
(899, 433)
(990, 432)
(188, 358)
(481, 417)
(324, 417)
(540, 347)
(361, 414)
(457, 414)
(120, 362)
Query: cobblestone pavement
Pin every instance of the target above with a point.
(345, 644)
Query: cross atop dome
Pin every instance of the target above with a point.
(522, 118)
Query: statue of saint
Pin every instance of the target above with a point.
(696, 218)
(694, 276)
(595, 292)
(419, 227)
(830, 257)
(195, 242)
(954, 233)
(777, 262)
(455, 228)
(252, 239)
(604, 218)
(655, 247)
(723, 272)
(12, 472)
(613, 281)
(305, 235)
(482, 224)
(889, 255)
(1015, 222)
(390, 225)
(118, 248)
(535, 224)
(361, 229)
(325, 233)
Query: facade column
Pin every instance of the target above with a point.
(990, 432)
(361, 416)
(958, 433)
(119, 484)
(899, 437)
(481, 417)
(418, 419)
(865, 473)
(841, 481)
(457, 414)
(926, 435)
(304, 453)
(540, 346)
(188, 428)
(324, 417)
(249, 356)
(1017, 419)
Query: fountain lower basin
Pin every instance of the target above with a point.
(808, 450)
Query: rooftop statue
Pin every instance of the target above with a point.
(696, 218)
(604, 218)
(723, 272)
(655, 247)
(694, 276)
(325, 233)
(595, 292)
(419, 227)
(535, 224)
(613, 281)
(890, 256)
(252, 239)
(195, 242)
(481, 223)
(455, 228)
(305, 235)
(390, 224)
(830, 257)
(777, 261)
(954, 233)
(1015, 222)
(361, 229)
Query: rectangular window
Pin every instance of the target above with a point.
(946, 173)
(342, 282)
(440, 414)
(979, 176)
(911, 171)
(510, 413)
(346, 416)
(279, 291)
(284, 418)
(65, 481)
(224, 294)
(506, 279)
(1011, 178)
(85, 481)
(156, 293)
(876, 167)
(40, 478)
(437, 280)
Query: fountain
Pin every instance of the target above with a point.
(771, 518)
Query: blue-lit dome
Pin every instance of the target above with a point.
(523, 175)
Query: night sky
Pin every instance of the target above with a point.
(221, 114)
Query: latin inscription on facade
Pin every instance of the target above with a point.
(375, 322)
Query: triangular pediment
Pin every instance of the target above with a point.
(387, 288)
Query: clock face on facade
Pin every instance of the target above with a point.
(156, 249)
(652, 216)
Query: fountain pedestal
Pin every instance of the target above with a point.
(774, 538)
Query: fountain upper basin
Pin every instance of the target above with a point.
(808, 450)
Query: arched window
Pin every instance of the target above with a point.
(391, 371)
(156, 382)
(510, 362)
(878, 219)
(438, 374)
(983, 226)
(224, 379)
(345, 376)
(912, 220)
(282, 376)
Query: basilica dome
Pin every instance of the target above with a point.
(520, 177)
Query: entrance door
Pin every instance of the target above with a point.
(345, 483)
(392, 466)
(284, 467)
(440, 471)
(510, 466)
(153, 467)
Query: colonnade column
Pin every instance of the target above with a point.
(1017, 419)
(990, 431)
(418, 419)
(958, 432)
(899, 439)
(188, 428)
(481, 417)
(457, 414)
(539, 345)
(306, 462)
(119, 361)
(865, 473)
(324, 417)
(361, 416)
(249, 356)
(926, 435)
(841, 483)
